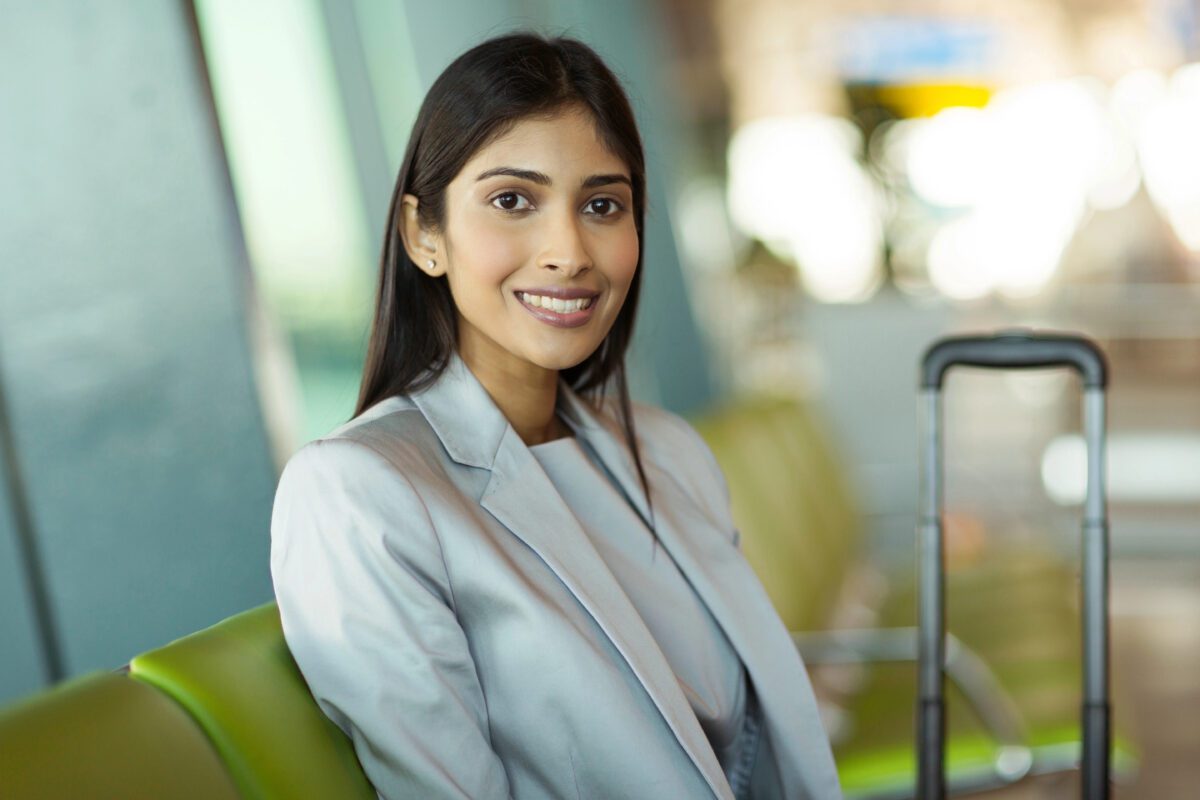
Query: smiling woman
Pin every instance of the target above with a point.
(501, 578)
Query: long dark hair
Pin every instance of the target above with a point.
(482, 95)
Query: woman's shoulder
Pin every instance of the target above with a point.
(662, 435)
(669, 440)
(658, 428)
(680, 455)
(392, 431)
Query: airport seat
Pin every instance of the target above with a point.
(238, 680)
(104, 736)
(1013, 688)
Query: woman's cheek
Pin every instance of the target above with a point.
(499, 252)
(625, 257)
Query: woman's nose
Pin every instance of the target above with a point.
(566, 250)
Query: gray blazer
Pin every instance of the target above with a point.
(452, 617)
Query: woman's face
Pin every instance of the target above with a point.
(539, 245)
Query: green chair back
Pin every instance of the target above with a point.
(239, 681)
(105, 736)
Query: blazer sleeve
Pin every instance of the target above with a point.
(368, 614)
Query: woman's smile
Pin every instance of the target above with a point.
(563, 307)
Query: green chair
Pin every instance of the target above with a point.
(105, 736)
(238, 680)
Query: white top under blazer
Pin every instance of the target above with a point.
(451, 615)
(704, 662)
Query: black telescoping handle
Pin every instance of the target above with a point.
(1018, 349)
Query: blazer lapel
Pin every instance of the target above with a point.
(736, 599)
(734, 596)
(522, 498)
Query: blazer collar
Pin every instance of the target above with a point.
(458, 395)
(605, 436)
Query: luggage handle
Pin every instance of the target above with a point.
(1016, 349)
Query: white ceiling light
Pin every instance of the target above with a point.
(947, 156)
(795, 183)
(1167, 145)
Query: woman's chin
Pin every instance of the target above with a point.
(560, 361)
(560, 364)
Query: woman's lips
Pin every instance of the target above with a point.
(559, 319)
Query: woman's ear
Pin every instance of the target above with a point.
(420, 244)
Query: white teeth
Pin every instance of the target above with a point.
(555, 304)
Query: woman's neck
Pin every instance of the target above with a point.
(526, 395)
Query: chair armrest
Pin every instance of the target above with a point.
(964, 668)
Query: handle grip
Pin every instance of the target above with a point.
(1017, 349)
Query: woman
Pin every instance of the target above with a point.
(496, 583)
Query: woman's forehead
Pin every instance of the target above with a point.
(565, 142)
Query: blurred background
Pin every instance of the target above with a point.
(192, 204)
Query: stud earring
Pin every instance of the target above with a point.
(430, 264)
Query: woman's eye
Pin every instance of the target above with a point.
(509, 201)
(603, 207)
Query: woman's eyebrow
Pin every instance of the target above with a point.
(524, 174)
(605, 180)
(543, 179)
